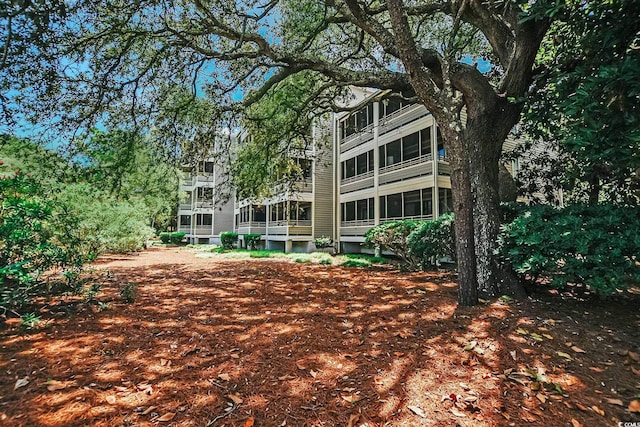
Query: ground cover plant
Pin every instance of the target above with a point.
(270, 342)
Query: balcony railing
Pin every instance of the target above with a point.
(353, 136)
(185, 206)
(358, 223)
(202, 230)
(357, 178)
(252, 224)
(416, 217)
(185, 229)
(291, 223)
(422, 159)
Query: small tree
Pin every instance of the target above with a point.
(252, 241)
(228, 239)
(433, 240)
(394, 236)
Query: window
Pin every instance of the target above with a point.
(383, 206)
(259, 214)
(362, 164)
(357, 121)
(445, 200)
(349, 212)
(427, 201)
(208, 167)
(185, 220)
(358, 165)
(425, 141)
(393, 153)
(440, 141)
(411, 146)
(205, 193)
(362, 210)
(412, 205)
(394, 205)
(350, 168)
(204, 219)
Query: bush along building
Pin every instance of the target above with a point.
(385, 161)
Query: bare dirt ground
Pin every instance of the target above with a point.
(212, 342)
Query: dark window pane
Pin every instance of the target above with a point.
(350, 168)
(444, 200)
(383, 157)
(350, 211)
(410, 146)
(259, 214)
(412, 205)
(372, 213)
(394, 205)
(425, 141)
(362, 164)
(394, 151)
(208, 167)
(383, 207)
(370, 165)
(393, 104)
(427, 202)
(185, 219)
(362, 209)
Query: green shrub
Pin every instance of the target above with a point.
(165, 237)
(323, 242)
(434, 240)
(597, 246)
(176, 237)
(37, 233)
(252, 241)
(394, 236)
(228, 239)
(129, 292)
(356, 263)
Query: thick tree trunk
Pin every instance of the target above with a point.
(458, 156)
(486, 146)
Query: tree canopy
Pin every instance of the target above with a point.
(147, 62)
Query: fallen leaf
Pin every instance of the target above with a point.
(568, 405)
(522, 331)
(249, 422)
(313, 373)
(470, 346)
(513, 355)
(577, 349)
(582, 407)
(418, 411)
(235, 398)
(148, 410)
(163, 362)
(235, 355)
(565, 355)
(166, 417)
(634, 356)
(616, 402)
(457, 413)
(635, 371)
(634, 406)
(536, 337)
(351, 398)
(535, 386)
(21, 383)
(224, 377)
(547, 336)
(353, 419)
(286, 377)
(576, 423)
(623, 352)
(54, 385)
(478, 350)
(597, 410)
(111, 399)
(541, 397)
(596, 369)
(301, 365)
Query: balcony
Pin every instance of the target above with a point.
(252, 227)
(356, 139)
(301, 227)
(401, 117)
(203, 230)
(185, 229)
(185, 206)
(408, 169)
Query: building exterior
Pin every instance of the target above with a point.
(296, 213)
(199, 216)
(385, 161)
(390, 164)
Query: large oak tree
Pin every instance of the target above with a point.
(130, 60)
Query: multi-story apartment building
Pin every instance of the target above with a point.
(199, 216)
(385, 161)
(296, 213)
(390, 163)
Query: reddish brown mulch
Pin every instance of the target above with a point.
(313, 345)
